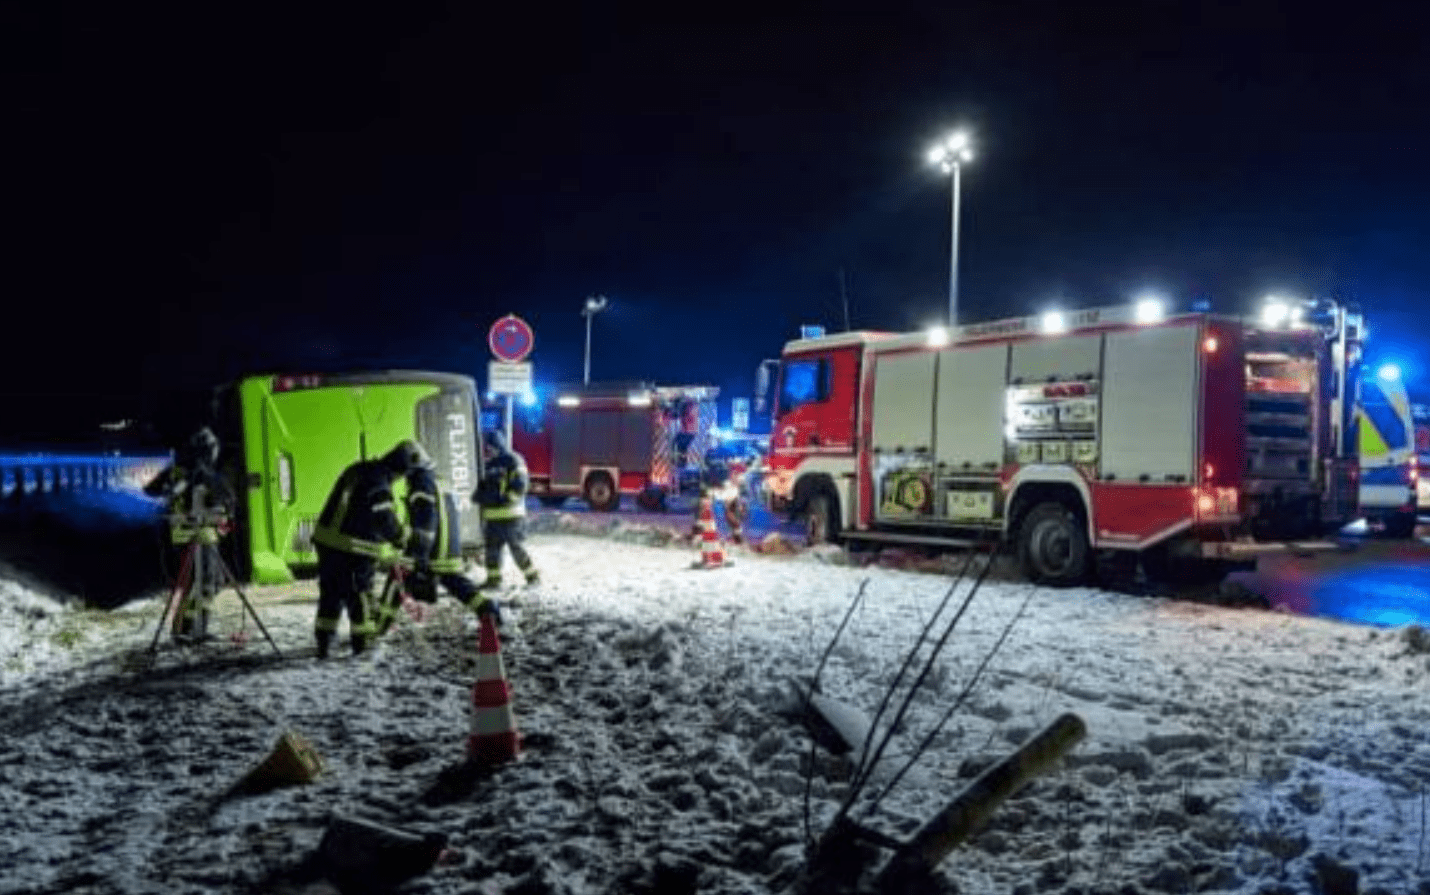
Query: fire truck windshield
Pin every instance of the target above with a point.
(802, 382)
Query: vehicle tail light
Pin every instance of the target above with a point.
(289, 383)
(1217, 502)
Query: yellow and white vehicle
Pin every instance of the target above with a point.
(1385, 434)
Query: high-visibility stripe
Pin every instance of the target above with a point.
(1372, 444)
(1388, 411)
(1395, 474)
(349, 544)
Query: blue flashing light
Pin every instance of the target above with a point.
(1388, 372)
(529, 399)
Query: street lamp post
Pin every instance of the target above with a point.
(948, 155)
(595, 304)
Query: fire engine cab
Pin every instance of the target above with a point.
(1193, 436)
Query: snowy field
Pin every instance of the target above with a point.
(1227, 750)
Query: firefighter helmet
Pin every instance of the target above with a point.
(203, 446)
(407, 456)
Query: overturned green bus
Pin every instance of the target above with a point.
(288, 437)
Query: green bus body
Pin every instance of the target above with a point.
(296, 434)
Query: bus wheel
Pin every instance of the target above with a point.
(600, 493)
(821, 525)
(1052, 546)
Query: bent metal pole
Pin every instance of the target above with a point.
(970, 809)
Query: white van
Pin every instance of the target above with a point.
(1388, 463)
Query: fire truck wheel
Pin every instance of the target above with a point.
(600, 493)
(1052, 546)
(821, 526)
(652, 500)
(1400, 525)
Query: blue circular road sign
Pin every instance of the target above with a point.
(511, 339)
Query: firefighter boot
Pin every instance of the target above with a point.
(359, 643)
(484, 605)
(493, 580)
(325, 643)
(532, 576)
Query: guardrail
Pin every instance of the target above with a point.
(30, 475)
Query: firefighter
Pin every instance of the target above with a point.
(358, 528)
(200, 502)
(718, 485)
(434, 547)
(502, 496)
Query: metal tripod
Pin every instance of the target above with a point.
(200, 525)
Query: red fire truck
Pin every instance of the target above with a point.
(601, 441)
(1186, 437)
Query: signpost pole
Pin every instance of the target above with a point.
(508, 420)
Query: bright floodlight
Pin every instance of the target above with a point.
(937, 336)
(595, 304)
(568, 401)
(1149, 310)
(1275, 312)
(1389, 372)
(950, 151)
(1054, 322)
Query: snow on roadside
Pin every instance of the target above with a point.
(1227, 750)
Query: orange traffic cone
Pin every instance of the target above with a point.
(494, 738)
(712, 552)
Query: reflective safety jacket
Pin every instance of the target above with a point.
(432, 513)
(502, 493)
(360, 515)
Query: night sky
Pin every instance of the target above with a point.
(200, 191)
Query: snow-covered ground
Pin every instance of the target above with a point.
(1229, 750)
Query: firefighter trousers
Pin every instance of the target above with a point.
(345, 581)
(509, 533)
